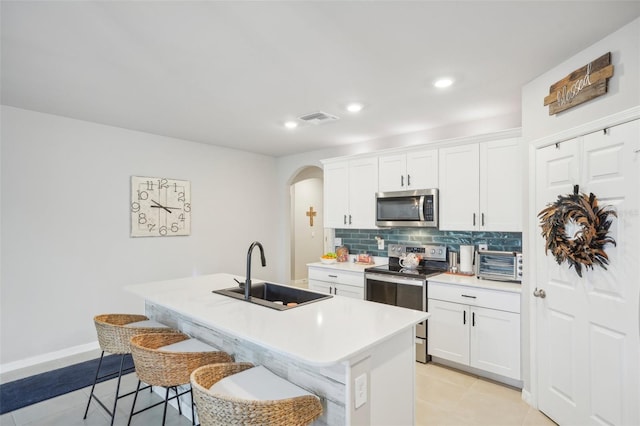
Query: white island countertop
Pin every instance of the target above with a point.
(322, 333)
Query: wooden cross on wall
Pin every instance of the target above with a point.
(311, 214)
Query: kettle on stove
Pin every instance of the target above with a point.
(410, 261)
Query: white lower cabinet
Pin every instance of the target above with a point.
(485, 337)
(340, 283)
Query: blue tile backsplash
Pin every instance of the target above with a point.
(364, 240)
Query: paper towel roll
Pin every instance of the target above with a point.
(466, 259)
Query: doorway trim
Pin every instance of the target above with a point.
(300, 174)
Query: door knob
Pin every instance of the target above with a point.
(539, 293)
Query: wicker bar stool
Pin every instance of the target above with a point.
(241, 394)
(114, 332)
(168, 360)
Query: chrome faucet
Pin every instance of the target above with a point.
(247, 283)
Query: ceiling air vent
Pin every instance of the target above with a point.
(318, 118)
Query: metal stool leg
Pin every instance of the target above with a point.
(166, 402)
(115, 402)
(193, 410)
(94, 385)
(108, 376)
(133, 406)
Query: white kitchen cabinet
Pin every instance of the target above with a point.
(407, 171)
(480, 186)
(475, 327)
(341, 283)
(349, 193)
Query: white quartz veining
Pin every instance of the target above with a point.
(473, 281)
(321, 333)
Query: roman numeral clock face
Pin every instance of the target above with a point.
(160, 207)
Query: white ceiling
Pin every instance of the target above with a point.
(230, 73)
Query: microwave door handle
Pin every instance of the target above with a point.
(421, 209)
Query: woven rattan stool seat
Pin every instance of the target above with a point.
(164, 359)
(114, 332)
(215, 408)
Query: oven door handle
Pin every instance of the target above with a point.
(394, 279)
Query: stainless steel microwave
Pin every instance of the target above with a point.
(418, 208)
(499, 265)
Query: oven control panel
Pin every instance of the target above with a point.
(428, 252)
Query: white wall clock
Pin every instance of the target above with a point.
(160, 207)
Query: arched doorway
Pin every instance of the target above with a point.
(307, 232)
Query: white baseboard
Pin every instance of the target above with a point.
(528, 398)
(48, 357)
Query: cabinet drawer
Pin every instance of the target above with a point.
(473, 296)
(338, 277)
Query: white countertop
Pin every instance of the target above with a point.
(343, 266)
(473, 281)
(350, 265)
(321, 333)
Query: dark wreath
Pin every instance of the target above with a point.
(586, 246)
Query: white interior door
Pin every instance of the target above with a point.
(588, 339)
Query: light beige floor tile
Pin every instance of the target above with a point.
(446, 374)
(433, 414)
(7, 420)
(44, 409)
(436, 391)
(493, 409)
(497, 389)
(536, 418)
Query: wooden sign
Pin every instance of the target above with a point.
(580, 86)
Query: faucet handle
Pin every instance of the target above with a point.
(240, 283)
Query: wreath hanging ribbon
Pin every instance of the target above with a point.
(586, 246)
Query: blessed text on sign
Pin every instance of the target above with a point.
(581, 85)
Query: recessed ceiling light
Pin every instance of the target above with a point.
(443, 82)
(354, 107)
(290, 124)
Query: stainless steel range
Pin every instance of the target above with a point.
(395, 284)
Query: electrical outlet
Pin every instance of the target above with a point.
(482, 246)
(337, 242)
(380, 244)
(361, 390)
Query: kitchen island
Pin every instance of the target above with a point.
(357, 356)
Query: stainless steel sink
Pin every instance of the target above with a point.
(275, 296)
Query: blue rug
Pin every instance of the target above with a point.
(38, 388)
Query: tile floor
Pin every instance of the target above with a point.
(445, 397)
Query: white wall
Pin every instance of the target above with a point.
(66, 250)
(538, 125)
(623, 91)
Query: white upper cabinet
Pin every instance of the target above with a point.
(349, 193)
(501, 186)
(407, 171)
(480, 187)
(459, 187)
(336, 194)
